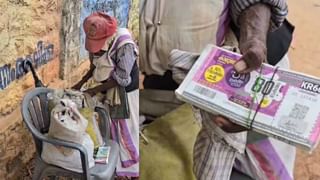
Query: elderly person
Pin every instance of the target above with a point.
(113, 56)
(222, 148)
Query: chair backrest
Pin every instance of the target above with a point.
(36, 115)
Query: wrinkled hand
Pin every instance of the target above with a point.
(226, 125)
(254, 54)
(254, 25)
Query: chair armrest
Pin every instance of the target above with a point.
(75, 146)
(104, 124)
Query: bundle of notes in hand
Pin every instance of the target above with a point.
(273, 101)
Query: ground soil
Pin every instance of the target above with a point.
(304, 58)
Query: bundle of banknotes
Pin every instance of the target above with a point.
(271, 100)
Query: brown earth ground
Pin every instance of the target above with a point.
(303, 55)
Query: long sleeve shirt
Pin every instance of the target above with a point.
(124, 61)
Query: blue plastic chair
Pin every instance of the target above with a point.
(37, 119)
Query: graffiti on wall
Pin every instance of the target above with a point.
(117, 8)
(9, 73)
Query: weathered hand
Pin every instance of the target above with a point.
(226, 125)
(254, 53)
(254, 26)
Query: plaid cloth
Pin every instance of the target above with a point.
(279, 10)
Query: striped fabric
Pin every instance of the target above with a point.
(125, 60)
(279, 10)
(124, 53)
(180, 62)
(215, 150)
(213, 159)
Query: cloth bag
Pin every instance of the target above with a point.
(120, 111)
(52, 155)
(75, 96)
(85, 105)
(67, 124)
